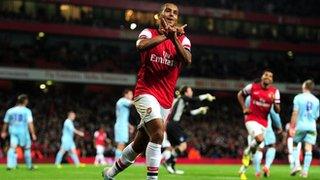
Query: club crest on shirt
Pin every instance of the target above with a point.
(271, 95)
(149, 110)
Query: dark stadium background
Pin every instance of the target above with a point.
(232, 42)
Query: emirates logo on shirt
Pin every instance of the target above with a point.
(164, 59)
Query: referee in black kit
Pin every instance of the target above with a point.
(175, 140)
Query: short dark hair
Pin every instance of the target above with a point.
(183, 90)
(126, 91)
(21, 98)
(309, 84)
(69, 112)
(163, 6)
(267, 70)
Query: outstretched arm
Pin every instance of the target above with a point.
(79, 133)
(201, 110)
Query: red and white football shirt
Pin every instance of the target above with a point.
(159, 69)
(261, 102)
(100, 138)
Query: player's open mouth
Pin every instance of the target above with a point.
(170, 20)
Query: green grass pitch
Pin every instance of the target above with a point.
(137, 172)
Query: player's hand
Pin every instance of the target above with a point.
(279, 130)
(169, 31)
(34, 137)
(204, 109)
(292, 132)
(172, 32)
(3, 135)
(246, 111)
(180, 30)
(164, 26)
(210, 97)
(81, 134)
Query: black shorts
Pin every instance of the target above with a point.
(175, 133)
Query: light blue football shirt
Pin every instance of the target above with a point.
(68, 131)
(18, 118)
(123, 112)
(307, 106)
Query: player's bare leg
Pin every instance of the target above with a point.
(129, 154)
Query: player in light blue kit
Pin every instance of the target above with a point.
(269, 142)
(20, 121)
(303, 125)
(67, 142)
(121, 128)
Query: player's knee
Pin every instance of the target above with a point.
(259, 139)
(308, 147)
(157, 137)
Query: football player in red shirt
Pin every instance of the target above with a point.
(100, 142)
(263, 96)
(164, 52)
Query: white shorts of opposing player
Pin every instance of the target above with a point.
(100, 159)
(149, 108)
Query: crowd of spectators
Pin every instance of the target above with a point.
(284, 7)
(122, 57)
(219, 134)
(196, 25)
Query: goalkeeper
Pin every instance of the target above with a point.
(175, 139)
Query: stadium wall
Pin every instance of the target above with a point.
(128, 79)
